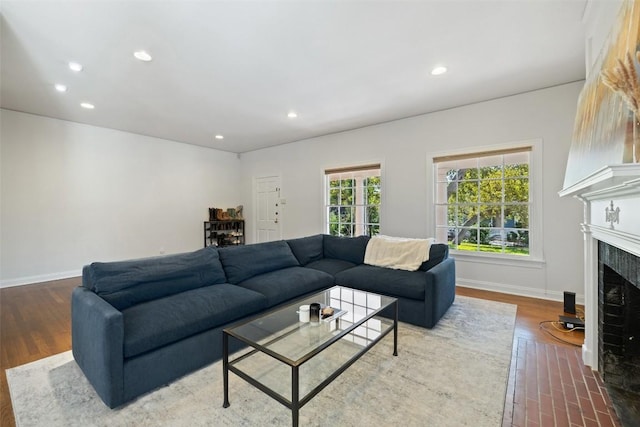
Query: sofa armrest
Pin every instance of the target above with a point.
(442, 278)
(97, 337)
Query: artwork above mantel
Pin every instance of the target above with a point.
(606, 130)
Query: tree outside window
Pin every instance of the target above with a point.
(353, 201)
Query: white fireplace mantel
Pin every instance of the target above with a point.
(609, 181)
(611, 198)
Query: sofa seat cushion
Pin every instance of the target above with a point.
(283, 285)
(160, 322)
(243, 262)
(330, 265)
(386, 281)
(127, 283)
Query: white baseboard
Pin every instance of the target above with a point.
(522, 291)
(7, 283)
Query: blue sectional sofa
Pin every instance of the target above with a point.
(140, 324)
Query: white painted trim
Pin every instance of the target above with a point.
(8, 283)
(488, 258)
(606, 182)
(515, 290)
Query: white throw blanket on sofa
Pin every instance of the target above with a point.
(397, 252)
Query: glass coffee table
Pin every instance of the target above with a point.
(292, 361)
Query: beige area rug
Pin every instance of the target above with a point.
(453, 375)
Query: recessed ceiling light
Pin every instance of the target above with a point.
(292, 115)
(74, 66)
(142, 55)
(61, 88)
(87, 105)
(219, 137)
(439, 70)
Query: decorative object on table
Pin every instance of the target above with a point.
(303, 313)
(326, 312)
(314, 312)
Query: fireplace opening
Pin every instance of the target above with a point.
(619, 328)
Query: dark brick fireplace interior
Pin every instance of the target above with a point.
(619, 328)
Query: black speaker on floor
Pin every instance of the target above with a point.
(570, 302)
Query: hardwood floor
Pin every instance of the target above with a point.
(35, 323)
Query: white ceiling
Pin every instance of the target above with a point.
(237, 68)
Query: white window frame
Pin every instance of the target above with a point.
(536, 255)
(325, 190)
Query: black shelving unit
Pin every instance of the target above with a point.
(224, 233)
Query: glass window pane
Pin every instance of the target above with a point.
(467, 174)
(346, 196)
(346, 230)
(490, 161)
(516, 190)
(334, 196)
(452, 215)
(467, 192)
(516, 216)
(467, 239)
(491, 191)
(373, 214)
(334, 213)
(491, 216)
(467, 216)
(517, 164)
(346, 214)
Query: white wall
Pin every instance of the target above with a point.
(402, 147)
(72, 194)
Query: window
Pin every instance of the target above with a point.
(353, 201)
(483, 201)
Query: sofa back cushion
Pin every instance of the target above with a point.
(350, 249)
(243, 262)
(438, 253)
(307, 249)
(127, 283)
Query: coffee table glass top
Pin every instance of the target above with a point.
(282, 335)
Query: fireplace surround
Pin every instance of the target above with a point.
(611, 230)
(619, 318)
(619, 328)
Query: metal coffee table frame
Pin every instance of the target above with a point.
(297, 402)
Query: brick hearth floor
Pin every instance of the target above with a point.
(550, 386)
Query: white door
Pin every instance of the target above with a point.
(269, 220)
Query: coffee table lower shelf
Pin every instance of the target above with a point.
(267, 369)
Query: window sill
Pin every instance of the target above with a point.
(508, 260)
